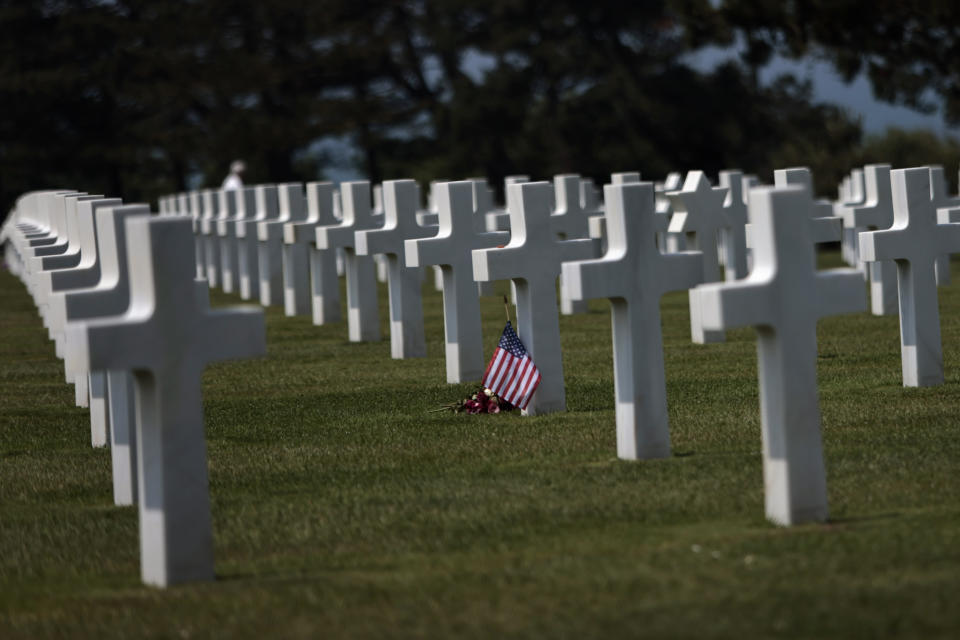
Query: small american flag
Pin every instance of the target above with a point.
(511, 373)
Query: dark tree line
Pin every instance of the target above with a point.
(137, 98)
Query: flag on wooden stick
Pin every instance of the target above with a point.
(511, 373)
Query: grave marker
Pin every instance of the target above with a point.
(734, 236)
(110, 296)
(698, 212)
(166, 338)
(324, 285)
(570, 221)
(228, 247)
(211, 243)
(634, 275)
(941, 200)
(296, 255)
(826, 227)
(243, 208)
(532, 259)
(265, 208)
(875, 211)
(783, 297)
(406, 306)
(363, 315)
(914, 242)
(450, 248)
(196, 215)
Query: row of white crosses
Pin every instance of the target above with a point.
(118, 293)
(151, 317)
(783, 296)
(710, 218)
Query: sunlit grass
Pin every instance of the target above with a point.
(343, 508)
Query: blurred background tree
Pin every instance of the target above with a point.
(137, 99)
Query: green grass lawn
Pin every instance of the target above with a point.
(343, 508)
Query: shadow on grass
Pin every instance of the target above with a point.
(859, 519)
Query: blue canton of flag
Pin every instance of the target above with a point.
(511, 373)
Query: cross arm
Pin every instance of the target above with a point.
(421, 252)
(948, 238)
(374, 241)
(826, 229)
(681, 270)
(62, 261)
(208, 226)
(859, 216)
(840, 291)
(500, 263)
(237, 332)
(679, 222)
(109, 343)
(49, 249)
(588, 279)
(74, 278)
(299, 232)
(579, 249)
(728, 305)
(947, 215)
(269, 230)
(247, 228)
(224, 227)
(880, 245)
(335, 236)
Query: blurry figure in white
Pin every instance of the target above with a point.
(233, 179)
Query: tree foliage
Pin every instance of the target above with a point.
(138, 98)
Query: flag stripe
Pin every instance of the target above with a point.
(503, 366)
(524, 383)
(522, 377)
(518, 372)
(511, 373)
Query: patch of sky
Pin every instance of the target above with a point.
(857, 96)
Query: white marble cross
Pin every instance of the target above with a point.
(734, 236)
(278, 264)
(296, 255)
(85, 274)
(227, 205)
(363, 314)
(532, 259)
(167, 337)
(63, 253)
(624, 177)
(570, 221)
(324, 285)
(853, 193)
(783, 297)
(941, 200)
(597, 223)
(875, 211)
(208, 228)
(669, 242)
(400, 201)
(450, 248)
(483, 206)
(698, 212)
(826, 227)
(633, 274)
(914, 242)
(270, 256)
(499, 220)
(265, 208)
(196, 216)
(243, 207)
(110, 296)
